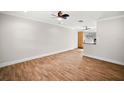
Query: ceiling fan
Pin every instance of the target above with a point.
(86, 28)
(61, 15)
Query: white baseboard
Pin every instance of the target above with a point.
(7, 63)
(105, 59)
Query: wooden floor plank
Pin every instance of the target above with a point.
(66, 66)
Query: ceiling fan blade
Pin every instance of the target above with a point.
(65, 15)
(60, 13)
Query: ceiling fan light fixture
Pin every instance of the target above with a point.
(61, 15)
(59, 19)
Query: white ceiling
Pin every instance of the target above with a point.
(89, 17)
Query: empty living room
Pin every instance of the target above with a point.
(61, 45)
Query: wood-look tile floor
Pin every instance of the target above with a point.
(68, 65)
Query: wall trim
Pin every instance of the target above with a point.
(34, 19)
(110, 18)
(105, 59)
(7, 63)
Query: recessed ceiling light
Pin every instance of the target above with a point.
(80, 21)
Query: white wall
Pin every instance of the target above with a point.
(110, 41)
(22, 38)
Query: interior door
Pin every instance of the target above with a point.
(80, 39)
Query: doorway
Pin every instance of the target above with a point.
(80, 40)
